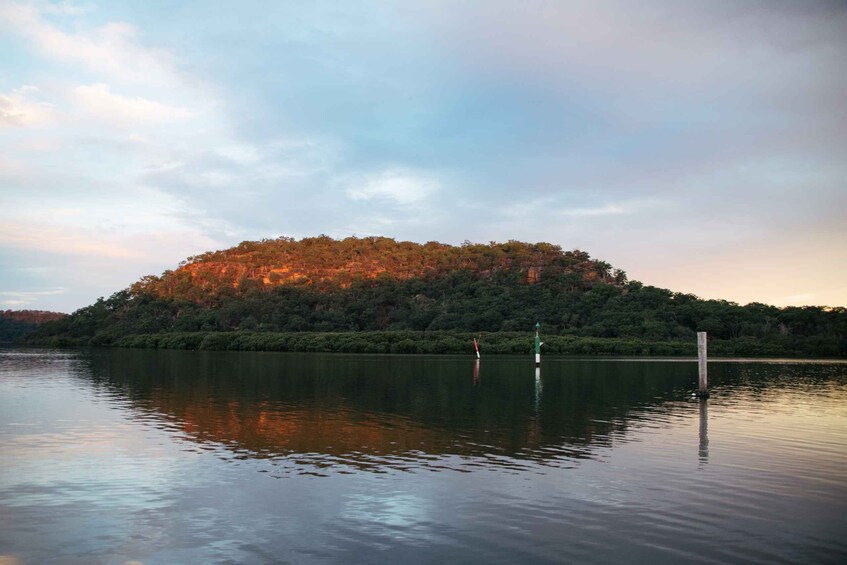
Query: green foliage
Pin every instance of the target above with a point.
(431, 299)
(15, 325)
(412, 342)
(12, 330)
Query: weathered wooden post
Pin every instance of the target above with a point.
(537, 345)
(702, 365)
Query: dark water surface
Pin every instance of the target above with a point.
(213, 457)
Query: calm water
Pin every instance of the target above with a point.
(206, 457)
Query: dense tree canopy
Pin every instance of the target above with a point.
(376, 284)
(17, 324)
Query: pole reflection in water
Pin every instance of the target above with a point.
(538, 387)
(476, 372)
(704, 431)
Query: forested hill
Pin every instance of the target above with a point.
(17, 324)
(379, 285)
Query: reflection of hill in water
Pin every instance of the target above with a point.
(361, 408)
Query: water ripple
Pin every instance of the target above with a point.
(189, 457)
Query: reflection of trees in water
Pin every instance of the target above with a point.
(377, 406)
(338, 405)
(766, 381)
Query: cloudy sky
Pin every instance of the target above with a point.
(699, 146)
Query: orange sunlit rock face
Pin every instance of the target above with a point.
(322, 260)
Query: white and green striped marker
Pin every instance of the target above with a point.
(537, 345)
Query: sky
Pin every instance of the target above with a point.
(699, 146)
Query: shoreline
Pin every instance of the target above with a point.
(438, 342)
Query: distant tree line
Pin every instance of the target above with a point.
(18, 324)
(464, 304)
(438, 342)
(369, 286)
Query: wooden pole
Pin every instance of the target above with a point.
(702, 364)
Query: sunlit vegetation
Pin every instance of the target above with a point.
(378, 295)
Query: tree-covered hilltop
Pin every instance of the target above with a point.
(378, 285)
(326, 262)
(18, 324)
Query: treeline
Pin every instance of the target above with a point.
(351, 286)
(406, 342)
(464, 304)
(18, 324)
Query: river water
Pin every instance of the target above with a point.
(116, 456)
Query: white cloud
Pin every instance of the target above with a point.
(609, 210)
(123, 244)
(19, 298)
(112, 49)
(61, 240)
(19, 108)
(549, 208)
(243, 154)
(400, 186)
(99, 102)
